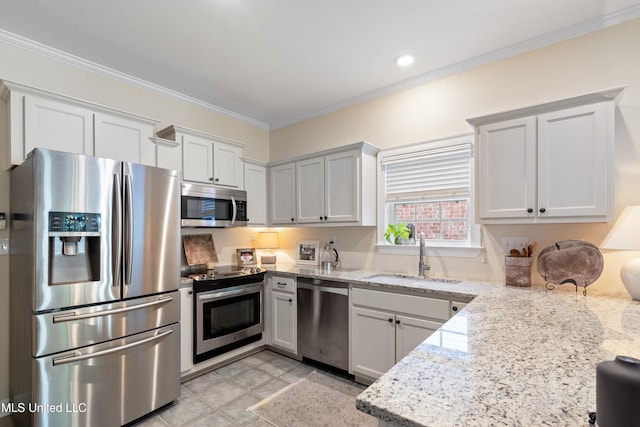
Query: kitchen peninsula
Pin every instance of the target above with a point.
(513, 356)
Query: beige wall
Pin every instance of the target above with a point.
(596, 61)
(41, 72)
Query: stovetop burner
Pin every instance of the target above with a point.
(225, 272)
(225, 277)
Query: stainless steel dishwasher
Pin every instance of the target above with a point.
(323, 321)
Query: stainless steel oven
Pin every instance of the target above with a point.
(228, 311)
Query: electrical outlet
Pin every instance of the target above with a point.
(4, 246)
(252, 238)
(509, 243)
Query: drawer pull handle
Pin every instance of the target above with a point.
(282, 285)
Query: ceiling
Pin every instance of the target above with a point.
(276, 62)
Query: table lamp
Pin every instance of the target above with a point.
(268, 240)
(625, 235)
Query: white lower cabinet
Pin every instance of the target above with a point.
(386, 326)
(281, 294)
(410, 332)
(186, 329)
(373, 339)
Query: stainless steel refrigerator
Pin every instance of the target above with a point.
(94, 273)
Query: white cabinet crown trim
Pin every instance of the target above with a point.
(7, 86)
(363, 146)
(169, 132)
(612, 94)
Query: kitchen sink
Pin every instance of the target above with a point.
(396, 276)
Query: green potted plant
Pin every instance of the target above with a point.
(396, 232)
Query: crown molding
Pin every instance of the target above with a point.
(76, 61)
(478, 61)
(513, 50)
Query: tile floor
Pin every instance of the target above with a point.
(220, 398)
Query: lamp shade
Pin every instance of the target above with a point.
(268, 240)
(625, 234)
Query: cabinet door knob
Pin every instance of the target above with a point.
(390, 320)
(529, 210)
(542, 210)
(216, 180)
(325, 218)
(190, 292)
(292, 219)
(397, 322)
(290, 300)
(320, 218)
(454, 308)
(211, 178)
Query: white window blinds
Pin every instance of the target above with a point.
(433, 170)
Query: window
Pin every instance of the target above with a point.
(428, 187)
(438, 220)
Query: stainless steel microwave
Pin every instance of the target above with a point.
(204, 206)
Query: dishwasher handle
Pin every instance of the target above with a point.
(321, 288)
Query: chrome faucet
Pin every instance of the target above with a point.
(422, 266)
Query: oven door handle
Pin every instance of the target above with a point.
(77, 357)
(225, 294)
(68, 317)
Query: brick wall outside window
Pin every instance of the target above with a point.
(444, 220)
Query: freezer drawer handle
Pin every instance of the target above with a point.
(79, 357)
(68, 317)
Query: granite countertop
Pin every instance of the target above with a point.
(512, 357)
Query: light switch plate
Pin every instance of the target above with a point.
(4, 246)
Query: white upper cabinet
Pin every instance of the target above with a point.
(40, 119)
(168, 154)
(547, 164)
(342, 186)
(124, 139)
(506, 163)
(227, 164)
(207, 159)
(335, 187)
(56, 126)
(197, 159)
(575, 163)
(255, 184)
(310, 191)
(282, 190)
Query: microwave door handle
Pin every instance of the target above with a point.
(116, 231)
(128, 231)
(235, 210)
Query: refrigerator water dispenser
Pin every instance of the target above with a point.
(74, 247)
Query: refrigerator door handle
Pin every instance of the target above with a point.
(128, 230)
(116, 232)
(68, 317)
(77, 356)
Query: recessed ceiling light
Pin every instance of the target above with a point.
(404, 60)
